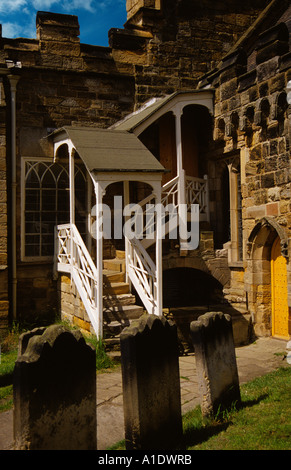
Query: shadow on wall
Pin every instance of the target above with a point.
(189, 293)
(188, 287)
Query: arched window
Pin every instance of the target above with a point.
(45, 202)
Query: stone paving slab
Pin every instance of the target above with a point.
(254, 360)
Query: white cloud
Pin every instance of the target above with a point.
(20, 14)
(43, 4)
(66, 5)
(10, 6)
(89, 5)
(11, 30)
(108, 3)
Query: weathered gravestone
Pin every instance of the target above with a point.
(218, 381)
(151, 385)
(54, 391)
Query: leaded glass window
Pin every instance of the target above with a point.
(46, 204)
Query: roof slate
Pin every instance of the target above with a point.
(109, 150)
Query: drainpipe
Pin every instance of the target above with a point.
(13, 79)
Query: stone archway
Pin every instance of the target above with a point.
(258, 272)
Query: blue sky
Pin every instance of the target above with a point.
(96, 17)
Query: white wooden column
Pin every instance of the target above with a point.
(180, 172)
(99, 257)
(72, 183)
(89, 214)
(72, 200)
(126, 202)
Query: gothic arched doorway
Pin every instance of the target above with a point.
(279, 291)
(267, 278)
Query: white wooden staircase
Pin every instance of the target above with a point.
(105, 291)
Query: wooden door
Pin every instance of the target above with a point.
(279, 292)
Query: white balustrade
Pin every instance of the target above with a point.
(73, 257)
(197, 193)
(142, 272)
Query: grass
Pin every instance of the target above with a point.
(9, 348)
(103, 360)
(8, 356)
(263, 421)
(6, 398)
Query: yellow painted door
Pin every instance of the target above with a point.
(279, 292)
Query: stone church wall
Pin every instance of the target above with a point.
(252, 119)
(164, 47)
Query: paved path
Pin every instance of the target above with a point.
(253, 361)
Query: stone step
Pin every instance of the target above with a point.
(120, 254)
(116, 288)
(122, 313)
(115, 264)
(112, 344)
(113, 330)
(110, 276)
(121, 300)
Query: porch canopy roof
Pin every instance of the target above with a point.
(139, 120)
(105, 150)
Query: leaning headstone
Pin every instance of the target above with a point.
(216, 365)
(55, 391)
(151, 385)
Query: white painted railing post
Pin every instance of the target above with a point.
(181, 173)
(127, 244)
(99, 258)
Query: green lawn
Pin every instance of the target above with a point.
(8, 357)
(263, 422)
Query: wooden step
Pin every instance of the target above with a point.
(116, 288)
(114, 264)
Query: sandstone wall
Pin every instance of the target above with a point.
(252, 121)
(4, 297)
(165, 47)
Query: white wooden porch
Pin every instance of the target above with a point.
(118, 155)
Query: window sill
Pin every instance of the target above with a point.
(236, 264)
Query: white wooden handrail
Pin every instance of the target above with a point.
(73, 257)
(142, 273)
